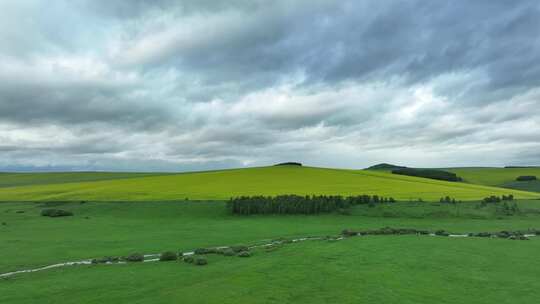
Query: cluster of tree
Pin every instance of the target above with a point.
(296, 204)
(525, 178)
(55, 212)
(385, 166)
(429, 173)
(289, 164)
(448, 200)
(498, 199)
(520, 167)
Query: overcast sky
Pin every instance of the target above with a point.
(146, 85)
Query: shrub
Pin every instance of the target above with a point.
(491, 199)
(168, 256)
(55, 212)
(107, 259)
(188, 259)
(201, 261)
(244, 254)
(525, 178)
(441, 233)
(228, 252)
(239, 248)
(135, 257)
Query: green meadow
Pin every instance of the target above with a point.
(500, 177)
(221, 185)
(388, 269)
(117, 214)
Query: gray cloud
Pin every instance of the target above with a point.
(173, 85)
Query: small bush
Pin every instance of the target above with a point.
(55, 212)
(441, 233)
(135, 257)
(525, 178)
(168, 256)
(228, 252)
(244, 254)
(201, 261)
(188, 259)
(107, 259)
(239, 248)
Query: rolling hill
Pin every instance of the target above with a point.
(219, 185)
(499, 177)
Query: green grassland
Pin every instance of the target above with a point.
(28, 179)
(493, 176)
(126, 213)
(500, 177)
(386, 269)
(219, 185)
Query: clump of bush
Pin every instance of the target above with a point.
(442, 233)
(239, 248)
(189, 259)
(244, 254)
(525, 178)
(200, 261)
(55, 212)
(107, 259)
(228, 252)
(135, 257)
(168, 256)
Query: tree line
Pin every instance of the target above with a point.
(296, 204)
(429, 173)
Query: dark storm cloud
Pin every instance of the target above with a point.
(202, 84)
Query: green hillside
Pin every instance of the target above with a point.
(499, 177)
(255, 181)
(26, 179)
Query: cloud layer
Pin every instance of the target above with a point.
(189, 85)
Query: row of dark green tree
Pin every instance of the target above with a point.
(497, 199)
(296, 204)
(428, 173)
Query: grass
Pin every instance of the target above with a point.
(218, 185)
(385, 269)
(531, 186)
(28, 179)
(493, 176)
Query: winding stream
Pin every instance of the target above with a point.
(154, 257)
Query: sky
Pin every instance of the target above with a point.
(165, 85)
